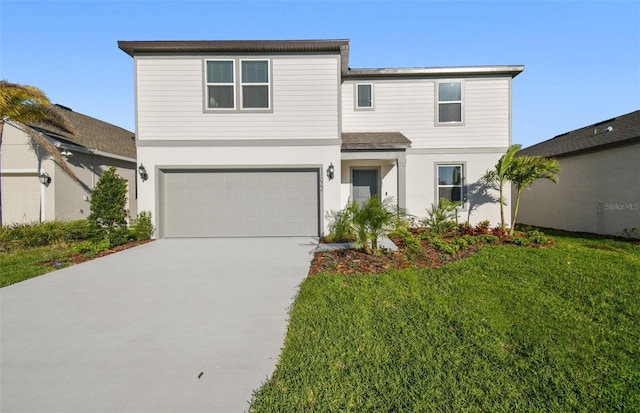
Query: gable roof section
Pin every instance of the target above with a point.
(92, 134)
(374, 141)
(619, 131)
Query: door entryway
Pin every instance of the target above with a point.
(365, 184)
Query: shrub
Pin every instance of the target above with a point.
(108, 201)
(372, 220)
(91, 248)
(537, 237)
(141, 227)
(441, 217)
(489, 239)
(46, 233)
(341, 228)
(445, 246)
(522, 241)
(471, 239)
(483, 227)
(411, 241)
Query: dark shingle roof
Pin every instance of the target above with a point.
(619, 131)
(91, 133)
(374, 140)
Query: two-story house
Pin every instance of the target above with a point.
(263, 138)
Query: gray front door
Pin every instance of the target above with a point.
(365, 184)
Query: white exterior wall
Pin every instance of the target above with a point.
(170, 101)
(597, 192)
(156, 158)
(409, 106)
(422, 184)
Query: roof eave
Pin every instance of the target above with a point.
(509, 70)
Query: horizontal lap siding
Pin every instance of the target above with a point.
(170, 101)
(408, 106)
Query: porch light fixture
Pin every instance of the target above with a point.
(143, 172)
(330, 170)
(44, 178)
(66, 153)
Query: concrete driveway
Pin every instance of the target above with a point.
(133, 331)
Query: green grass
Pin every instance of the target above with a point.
(24, 263)
(509, 329)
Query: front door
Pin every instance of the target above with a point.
(365, 184)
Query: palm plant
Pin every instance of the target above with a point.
(500, 175)
(22, 105)
(527, 169)
(372, 220)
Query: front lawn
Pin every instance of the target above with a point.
(506, 329)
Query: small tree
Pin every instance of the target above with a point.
(372, 220)
(108, 215)
(500, 175)
(527, 169)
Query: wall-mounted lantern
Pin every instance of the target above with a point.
(330, 171)
(44, 178)
(143, 172)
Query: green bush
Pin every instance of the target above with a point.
(91, 248)
(522, 241)
(443, 245)
(441, 218)
(372, 220)
(108, 202)
(40, 234)
(489, 239)
(537, 237)
(341, 227)
(141, 227)
(411, 241)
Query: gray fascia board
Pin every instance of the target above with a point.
(511, 70)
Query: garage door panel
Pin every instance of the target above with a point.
(210, 203)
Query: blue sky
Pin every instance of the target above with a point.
(581, 58)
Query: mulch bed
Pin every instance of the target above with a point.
(352, 261)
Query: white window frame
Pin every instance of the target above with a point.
(462, 186)
(238, 85)
(438, 103)
(232, 84)
(356, 94)
(243, 84)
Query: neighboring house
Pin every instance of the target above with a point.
(599, 187)
(92, 149)
(264, 138)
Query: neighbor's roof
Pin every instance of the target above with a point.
(374, 140)
(92, 134)
(619, 131)
(151, 47)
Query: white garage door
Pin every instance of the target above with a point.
(240, 203)
(20, 198)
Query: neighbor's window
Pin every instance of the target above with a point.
(364, 99)
(450, 182)
(220, 84)
(255, 84)
(450, 102)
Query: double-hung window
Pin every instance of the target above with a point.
(364, 96)
(449, 102)
(237, 84)
(451, 182)
(220, 84)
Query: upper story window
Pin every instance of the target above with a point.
(364, 96)
(220, 84)
(450, 102)
(232, 81)
(450, 182)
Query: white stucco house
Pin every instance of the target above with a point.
(599, 185)
(35, 188)
(263, 138)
